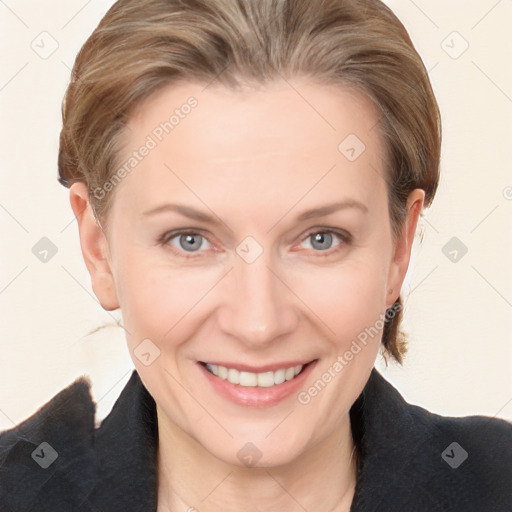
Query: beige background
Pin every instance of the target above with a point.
(458, 314)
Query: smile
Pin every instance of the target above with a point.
(260, 387)
(262, 380)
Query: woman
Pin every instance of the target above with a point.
(247, 178)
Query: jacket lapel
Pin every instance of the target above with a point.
(126, 445)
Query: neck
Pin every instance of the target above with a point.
(192, 479)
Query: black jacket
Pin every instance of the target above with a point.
(410, 459)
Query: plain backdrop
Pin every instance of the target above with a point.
(458, 313)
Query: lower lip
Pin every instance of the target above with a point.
(253, 396)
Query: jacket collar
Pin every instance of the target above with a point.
(393, 446)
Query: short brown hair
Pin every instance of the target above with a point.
(141, 46)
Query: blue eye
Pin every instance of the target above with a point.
(190, 242)
(322, 241)
(187, 241)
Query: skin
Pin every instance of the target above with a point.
(255, 160)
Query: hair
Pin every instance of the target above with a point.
(142, 46)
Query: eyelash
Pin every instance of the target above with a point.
(345, 237)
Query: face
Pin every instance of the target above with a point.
(253, 237)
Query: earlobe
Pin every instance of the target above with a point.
(94, 247)
(403, 246)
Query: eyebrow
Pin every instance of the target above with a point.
(322, 211)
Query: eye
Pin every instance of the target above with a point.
(187, 241)
(322, 240)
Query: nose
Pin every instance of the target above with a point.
(259, 307)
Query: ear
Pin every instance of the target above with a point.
(94, 246)
(403, 246)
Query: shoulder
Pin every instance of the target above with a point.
(61, 430)
(484, 436)
(476, 453)
(484, 442)
(467, 461)
(69, 412)
(57, 460)
(418, 459)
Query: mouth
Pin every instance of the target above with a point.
(256, 387)
(262, 379)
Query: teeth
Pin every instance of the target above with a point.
(248, 379)
(262, 380)
(222, 372)
(279, 376)
(233, 376)
(265, 380)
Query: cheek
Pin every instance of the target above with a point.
(346, 299)
(157, 300)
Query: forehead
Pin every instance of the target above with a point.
(284, 136)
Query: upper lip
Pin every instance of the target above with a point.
(272, 367)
